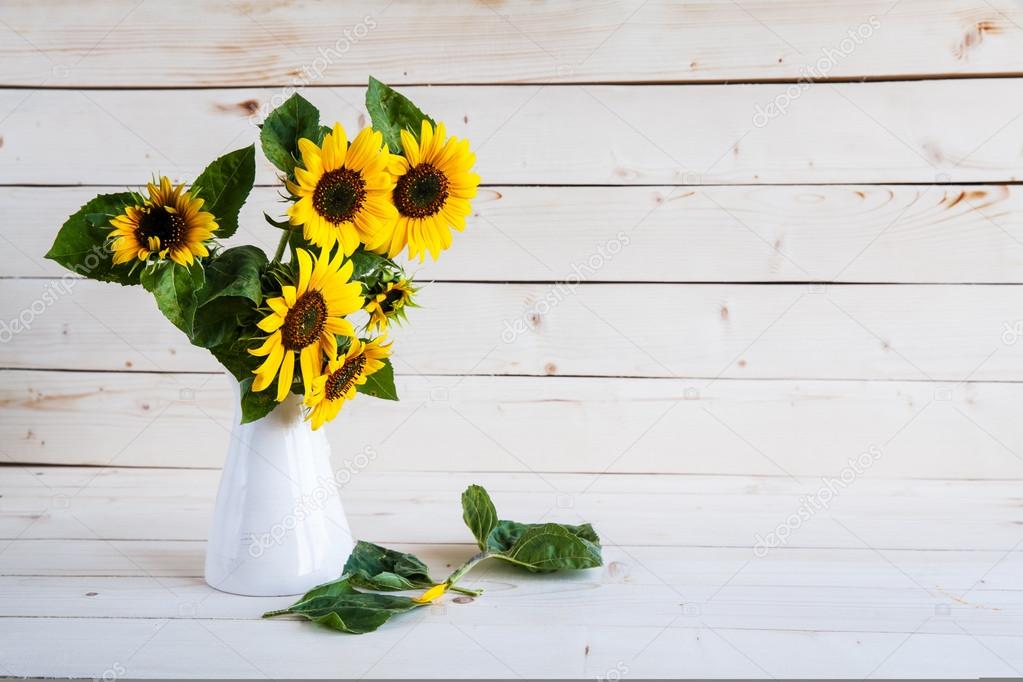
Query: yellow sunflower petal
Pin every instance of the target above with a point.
(286, 376)
(271, 323)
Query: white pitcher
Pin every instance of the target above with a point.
(278, 526)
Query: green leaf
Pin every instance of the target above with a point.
(367, 265)
(236, 359)
(545, 547)
(224, 185)
(232, 355)
(378, 568)
(380, 384)
(236, 272)
(479, 513)
(340, 606)
(279, 224)
(255, 405)
(391, 113)
(232, 293)
(283, 128)
(537, 547)
(81, 244)
(175, 287)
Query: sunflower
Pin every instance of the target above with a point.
(304, 320)
(432, 193)
(343, 191)
(337, 382)
(170, 222)
(389, 303)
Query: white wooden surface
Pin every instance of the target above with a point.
(908, 131)
(406, 42)
(896, 578)
(672, 315)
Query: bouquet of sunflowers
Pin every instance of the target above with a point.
(282, 324)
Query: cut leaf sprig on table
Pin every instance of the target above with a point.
(537, 548)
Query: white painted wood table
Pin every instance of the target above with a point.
(721, 247)
(100, 574)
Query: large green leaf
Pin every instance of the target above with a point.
(283, 128)
(538, 547)
(506, 533)
(175, 288)
(236, 359)
(231, 294)
(546, 547)
(224, 185)
(255, 405)
(340, 606)
(232, 355)
(479, 513)
(81, 243)
(378, 568)
(380, 384)
(392, 112)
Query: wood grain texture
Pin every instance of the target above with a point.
(855, 233)
(916, 332)
(687, 400)
(924, 132)
(788, 567)
(160, 648)
(629, 510)
(249, 43)
(895, 577)
(545, 424)
(511, 598)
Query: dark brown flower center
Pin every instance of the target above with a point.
(421, 192)
(392, 299)
(340, 381)
(305, 321)
(159, 229)
(339, 195)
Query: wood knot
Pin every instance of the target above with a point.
(974, 36)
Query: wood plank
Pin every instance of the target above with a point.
(226, 43)
(546, 424)
(627, 510)
(915, 332)
(856, 233)
(857, 605)
(840, 608)
(511, 598)
(847, 132)
(697, 567)
(277, 649)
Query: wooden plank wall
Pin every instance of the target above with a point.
(687, 258)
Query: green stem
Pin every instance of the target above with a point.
(282, 245)
(278, 612)
(462, 570)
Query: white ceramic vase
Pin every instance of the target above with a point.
(278, 526)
